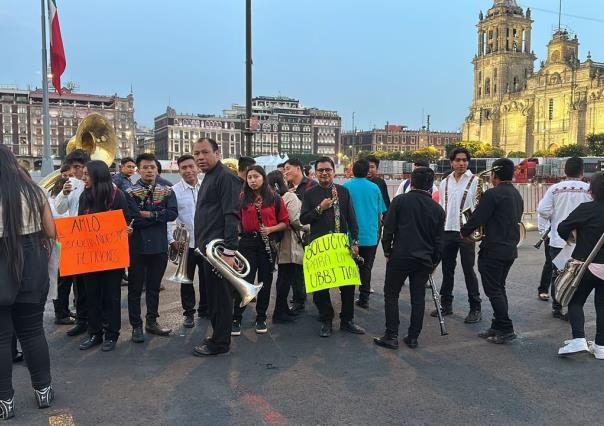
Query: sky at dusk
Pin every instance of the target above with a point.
(385, 60)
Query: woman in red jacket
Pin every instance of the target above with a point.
(263, 220)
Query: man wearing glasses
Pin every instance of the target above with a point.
(327, 208)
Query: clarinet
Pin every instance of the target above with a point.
(436, 297)
(543, 238)
(265, 239)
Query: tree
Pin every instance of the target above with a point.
(451, 146)
(517, 154)
(595, 143)
(572, 150)
(430, 154)
(544, 153)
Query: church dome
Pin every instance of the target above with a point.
(509, 3)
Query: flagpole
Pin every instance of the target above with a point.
(47, 163)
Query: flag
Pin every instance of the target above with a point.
(57, 54)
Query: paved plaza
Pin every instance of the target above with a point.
(291, 376)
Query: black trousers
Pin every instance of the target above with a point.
(288, 274)
(397, 272)
(494, 273)
(61, 303)
(546, 273)
(298, 286)
(220, 302)
(145, 269)
(24, 319)
(79, 291)
(103, 295)
(322, 300)
(575, 307)
(368, 254)
(553, 252)
(187, 291)
(453, 243)
(254, 251)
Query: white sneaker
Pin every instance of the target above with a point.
(574, 346)
(597, 350)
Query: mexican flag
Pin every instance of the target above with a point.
(57, 54)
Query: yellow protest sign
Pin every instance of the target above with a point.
(328, 263)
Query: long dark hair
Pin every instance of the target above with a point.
(99, 196)
(15, 185)
(277, 182)
(249, 196)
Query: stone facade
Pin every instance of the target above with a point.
(518, 109)
(22, 128)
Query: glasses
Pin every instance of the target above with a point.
(324, 171)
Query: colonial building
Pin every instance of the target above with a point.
(283, 125)
(174, 134)
(395, 138)
(145, 141)
(21, 118)
(519, 109)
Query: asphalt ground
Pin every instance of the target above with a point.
(292, 376)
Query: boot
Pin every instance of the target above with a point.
(60, 317)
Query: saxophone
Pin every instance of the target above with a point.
(466, 214)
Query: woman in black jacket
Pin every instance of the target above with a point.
(588, 221)
(103, 288)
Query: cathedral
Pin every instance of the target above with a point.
(519, 109)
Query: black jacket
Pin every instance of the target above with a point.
(588, 220)
(324, 223)
(499, 211)
(217, 212)
(150, 235)
(305, 185)
(414, 228)
(381, 183)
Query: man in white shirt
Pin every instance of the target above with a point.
(458, 192)
(557, 203)
(66, 203)
(186, 191)
(405, 185)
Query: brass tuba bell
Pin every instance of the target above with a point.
(96, 136)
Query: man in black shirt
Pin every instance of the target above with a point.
(499, 211)
(412, 239)
(328, 209)
(217, 216)
(374, 164)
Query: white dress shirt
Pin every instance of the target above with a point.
(186, 197)
(69, 203)
(557, 203)
(451, 195)
(402, 190)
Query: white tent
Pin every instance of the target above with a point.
(270, 162)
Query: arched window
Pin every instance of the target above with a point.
(487, 87)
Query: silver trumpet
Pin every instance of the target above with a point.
(235, 277)
(180, 255)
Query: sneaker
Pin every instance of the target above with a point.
(236, 328)
(445, 310)
(189, 321)
(597, 350)
(261, 327)
(44, 396)
(7, 408)
(573, 347)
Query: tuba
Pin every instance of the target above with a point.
(180, 256)
(96, 136)
(213, 255)
(478, 233)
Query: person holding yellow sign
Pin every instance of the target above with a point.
(328, 209)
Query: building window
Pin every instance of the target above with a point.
(487, 87)
(551, 109)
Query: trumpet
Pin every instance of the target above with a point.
(213, 255)
(180, 255)
(543, 238)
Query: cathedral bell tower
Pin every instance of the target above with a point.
(502, 65)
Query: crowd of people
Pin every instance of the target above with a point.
(269, 219)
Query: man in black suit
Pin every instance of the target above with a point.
(499, 212)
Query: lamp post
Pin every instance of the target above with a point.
(248, 77)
